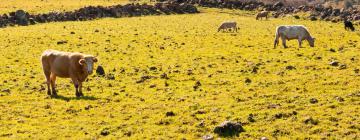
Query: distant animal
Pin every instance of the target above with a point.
(262, 14)
(76, 66)
(348, 25)
(228, 25)
(290, 32)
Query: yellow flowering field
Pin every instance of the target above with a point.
(181, 64)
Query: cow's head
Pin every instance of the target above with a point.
(311, 41)
(87, 63)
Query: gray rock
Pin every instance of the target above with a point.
(335, 12)
(208, 137)
(296, 17)
(105, 132)
(356, 71)
(32, 21)
(100, 70)
(313, 101)
(110, 76)
(197, 85)
(312, 121)
(313, 18)
(342, 66)
(247, 80)
(278, 4)
(170, 113)
(339, 99)
(334, 63)
(290, 67)
(229, 128)
(21, 18)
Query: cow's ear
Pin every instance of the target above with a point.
(82, 61)
(95, 59)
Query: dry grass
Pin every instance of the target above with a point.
(188, 49)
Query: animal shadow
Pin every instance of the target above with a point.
(60, 97)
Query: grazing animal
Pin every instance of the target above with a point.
(262, 14)
(289, 32)
(348, 25)
(228, 25)
(76, 66)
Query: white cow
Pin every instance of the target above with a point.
(262, 14)
(228, 25)
(290, 32)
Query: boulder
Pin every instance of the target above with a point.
(208, 137)
(229, 128)
(335, 12)
(296, 17)
(334, 63)
(357, 17)
(278, 4)
(100, 71)
(32, 21)
(313, 101)
(21, 18)
(313, 18)
(170, 114)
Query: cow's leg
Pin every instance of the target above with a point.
(47, 72)
(47, 76)
(52, 79)
(299, 40)
(80, 89)
(283, 40)
(76, 85)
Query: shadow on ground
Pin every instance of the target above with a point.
(60, 97)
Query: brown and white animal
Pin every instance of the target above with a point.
(262, 14)
(76, 66)
(228, 25)
(290, 32)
